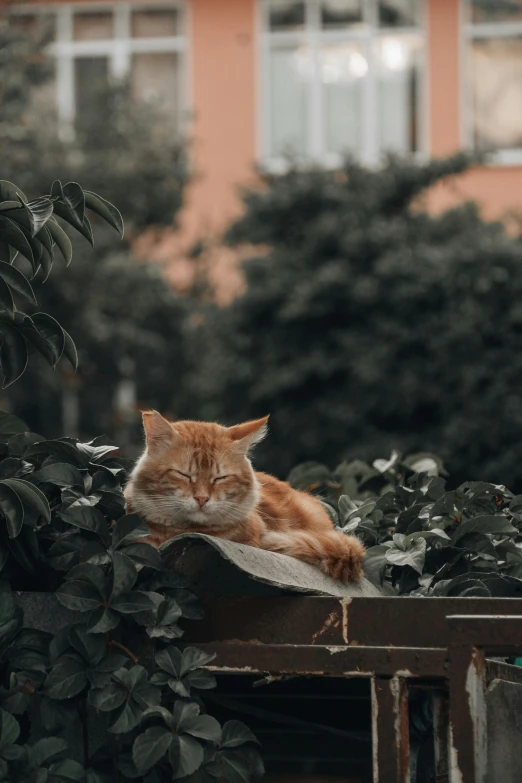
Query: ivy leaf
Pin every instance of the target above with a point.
(193, 658)
(185, 755)
(413, 557)
(30, 495)
(66, 679)
(61, 474)
(124, 576)
(150, 747)
(235, 733)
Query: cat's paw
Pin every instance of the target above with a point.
(343, 557)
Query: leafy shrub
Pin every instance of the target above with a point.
(63, 530)
(369, 324)
(423, 538)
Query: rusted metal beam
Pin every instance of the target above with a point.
(495, 634)
(393, 621)
(390, 730)
(338, 661)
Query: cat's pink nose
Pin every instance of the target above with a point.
(201, 499)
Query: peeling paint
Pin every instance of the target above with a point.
(345, 603)
(328, 622)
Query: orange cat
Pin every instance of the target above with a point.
(197, 477)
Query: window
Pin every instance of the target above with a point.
(95, 46)
(341, 77)
(494, 75)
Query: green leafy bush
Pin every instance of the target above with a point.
(64, 531)
(369, 324)
(423, 538)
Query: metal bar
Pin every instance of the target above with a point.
(318, 661)
(496, 634)
(390, 730)
(394, 621)
(467, 708)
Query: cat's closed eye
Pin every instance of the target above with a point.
(221, 478)
(179, 473)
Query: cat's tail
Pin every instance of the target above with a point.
(337, 555)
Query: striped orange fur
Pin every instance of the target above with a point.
(197, 477)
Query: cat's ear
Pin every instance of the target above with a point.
(158, 432)
(248, 434)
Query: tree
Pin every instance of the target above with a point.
(368, 324)
(124, 316)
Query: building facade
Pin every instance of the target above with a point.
(258, 81)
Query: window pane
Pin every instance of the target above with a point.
(93, 26)
(289, 74)
(287, 16)
(399, 65)
(339, 13)
(497, 92)
(154, 24)
(398, 13)
(496, 10)
(91, 78)
(155, 80)
(343, 71)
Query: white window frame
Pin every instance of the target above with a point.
(118, 49)
(367, 33)
(472, 31)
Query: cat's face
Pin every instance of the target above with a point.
(194, 473)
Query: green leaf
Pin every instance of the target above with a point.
(104, 209)
(185, 712)
(146, 555)
(70, 204)
(103, 620)
(30, 495)
(10, 192)
(66, 771)
(193, 659)
(66, 679)
(46, 750)
(39, 211)
(86, 518)
(124, 575)
(11, 425)
(185, 755)
(13, 353)
(494, 524)
(12, 509)
(132, 602)
(17, 282)
(61, 474)
(170, 661)
(243, 765)
(13, 234)
(6, 297)
(235, 733)
(109, 698)
(69, 350)
(413, 557)
(61, 240)
(52, 333)
(203, 726)
(128, 719)
(127, 529)
(79, 596)
(150, 747)
(9, 730)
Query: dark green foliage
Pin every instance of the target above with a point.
(57, 532)
(368, 324)
(422, 538)
(30, 228)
